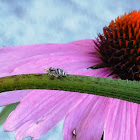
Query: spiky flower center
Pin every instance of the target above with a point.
(119, 46)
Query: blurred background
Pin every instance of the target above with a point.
(55, 21)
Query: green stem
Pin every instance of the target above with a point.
(120, 89)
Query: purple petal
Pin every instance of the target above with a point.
(137, 122)
(37, 64)
(86, 121)
(23, 52)
(41, 110)
(12, 96)
(120, 123)
(102, 72)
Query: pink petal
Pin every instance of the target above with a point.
(120, 123)
(12, 96)
(37, 65)
(22, 52)
(102, 72)
(41, 110)
(137, 115)
(86, 121)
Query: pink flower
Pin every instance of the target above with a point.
(86, 116)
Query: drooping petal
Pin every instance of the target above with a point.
(41, 110)
(120, 123)
(11, 55)
(138, 122)
(37, 64)
(86, 121)
(12, 97)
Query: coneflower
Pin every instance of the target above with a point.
(87, 117)
(119, 46)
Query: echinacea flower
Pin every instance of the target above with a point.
(115, 54)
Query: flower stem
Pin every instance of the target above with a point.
(120, 89)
